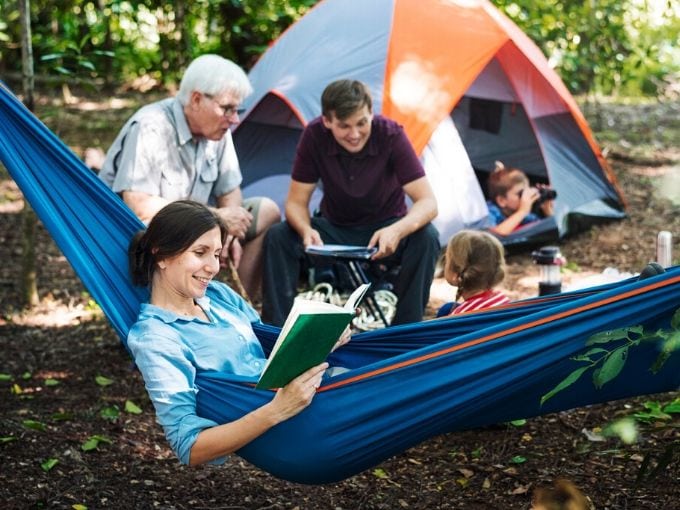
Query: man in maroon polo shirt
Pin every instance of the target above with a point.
(366, 166)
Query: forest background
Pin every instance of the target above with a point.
(606, 47)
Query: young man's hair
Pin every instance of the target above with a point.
(478, 258)
(213, 75)
(344, 97)
(503, 179)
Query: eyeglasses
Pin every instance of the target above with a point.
(227, 110)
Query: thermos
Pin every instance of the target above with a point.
(664, 248)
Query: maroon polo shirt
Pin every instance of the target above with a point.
(361, 188)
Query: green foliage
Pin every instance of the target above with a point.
(609, 352)
(34, 425)
(103, 381)
(49, 464)
(93, 442)
(380, 473)
(605, 47)
(110, 413)
(126, 39)
(608, 46)
(61, 416)
(655, 417)
(132, 408)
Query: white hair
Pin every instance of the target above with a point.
(214, 75)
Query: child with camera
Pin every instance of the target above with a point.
(513, 202)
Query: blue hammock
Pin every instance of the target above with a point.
(406, 383)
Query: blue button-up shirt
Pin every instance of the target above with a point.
(496, 216)
(170, 350)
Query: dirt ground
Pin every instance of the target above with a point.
(68, 438)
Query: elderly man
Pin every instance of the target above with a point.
(367, 168)
(181, 148)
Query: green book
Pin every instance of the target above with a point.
(311, 330)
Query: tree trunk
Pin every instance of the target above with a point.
(29, 288)
(107, 45)
(183, 35)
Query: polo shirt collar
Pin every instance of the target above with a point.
(183, 132)
(149, 311)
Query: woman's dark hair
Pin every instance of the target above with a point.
(170, 232)
(343, 98)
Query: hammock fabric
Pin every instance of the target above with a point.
(406, 383)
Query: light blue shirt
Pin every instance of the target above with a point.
(171, 350)
(155, 153)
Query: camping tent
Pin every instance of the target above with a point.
(467, 85)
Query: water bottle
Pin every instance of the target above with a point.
(664, 248)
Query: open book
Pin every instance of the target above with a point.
(341, 250)
(311, 330)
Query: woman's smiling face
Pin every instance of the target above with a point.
(188, 274)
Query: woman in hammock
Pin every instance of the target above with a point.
(194, 324)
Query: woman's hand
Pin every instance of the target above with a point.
(297, 394)
(344, 338)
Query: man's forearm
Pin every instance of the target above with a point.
(232, 199)
(144, 206)
(298, 218)
(421, 213)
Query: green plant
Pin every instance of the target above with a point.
(658, 418)
(609, 351)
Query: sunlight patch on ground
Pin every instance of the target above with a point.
(51, 313)
(527, 286)
(95, 106)
(11, 199)
(668, 185)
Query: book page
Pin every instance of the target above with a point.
(356, 296)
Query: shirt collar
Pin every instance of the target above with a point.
(183, 132)
(149, 311)
(484, 294)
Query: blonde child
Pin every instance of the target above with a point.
(511, 200)
(475, 263)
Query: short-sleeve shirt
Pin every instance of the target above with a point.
(362, 188)
(155, 153)
(171, 350)
(496, 216)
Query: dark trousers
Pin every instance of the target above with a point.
(284, 257)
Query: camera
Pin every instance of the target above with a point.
(545, 194)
